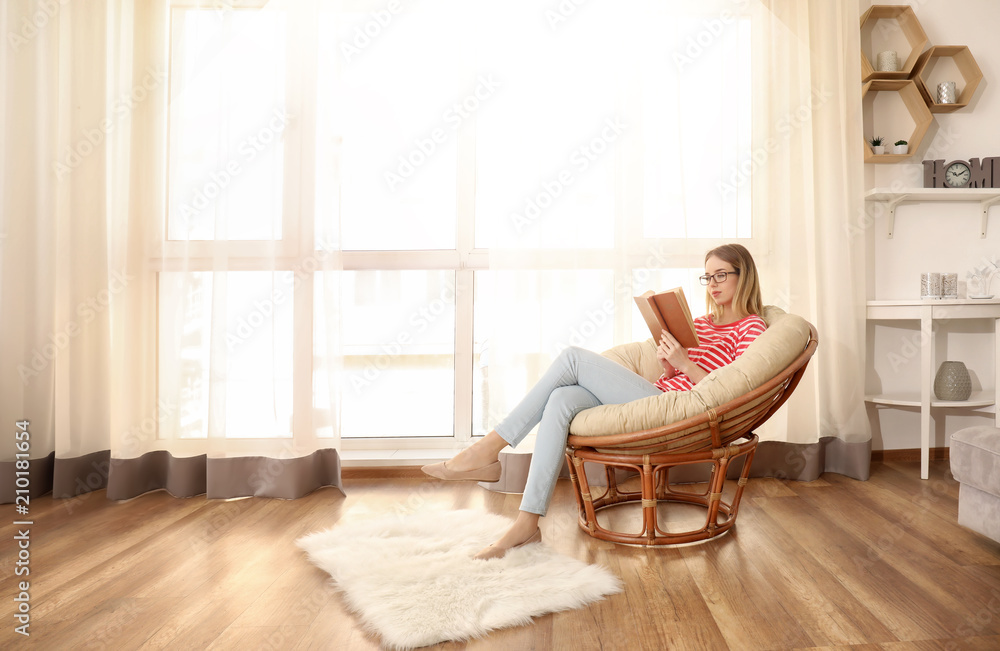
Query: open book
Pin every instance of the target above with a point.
(668, 311)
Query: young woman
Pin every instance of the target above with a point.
(579, 379)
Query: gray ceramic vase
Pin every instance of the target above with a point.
(952, 382)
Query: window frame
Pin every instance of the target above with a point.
(298, 244)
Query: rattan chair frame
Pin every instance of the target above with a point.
(716, 437)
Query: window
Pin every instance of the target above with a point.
(389, 129)
(227, 121)
(398, 342)
(705, 193)
(257, 353)
(419, 143)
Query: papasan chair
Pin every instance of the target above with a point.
(713, 425)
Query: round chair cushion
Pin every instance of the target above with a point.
(785, 338)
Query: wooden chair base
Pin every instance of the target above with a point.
(654, 473)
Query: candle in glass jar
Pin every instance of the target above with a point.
(930, 285)
(949, 285)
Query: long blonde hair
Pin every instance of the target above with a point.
(747, 299)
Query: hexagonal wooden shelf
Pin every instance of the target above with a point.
(916, 107)
(967, 67)
(910, 26)
(866, 68)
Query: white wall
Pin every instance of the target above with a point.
(936, 236)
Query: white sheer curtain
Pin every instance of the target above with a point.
(724, 109)
(808, 180)
(178, 313)
(596, 173)
(184, 181)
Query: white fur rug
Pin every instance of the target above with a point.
(413, 581)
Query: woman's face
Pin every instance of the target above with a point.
(724, 292)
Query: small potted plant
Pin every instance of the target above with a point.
(900, 147)
(877, 145)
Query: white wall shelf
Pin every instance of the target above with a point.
(977, 400)
(985, 197)
(926, 312)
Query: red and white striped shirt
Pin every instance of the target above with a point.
(718, 346)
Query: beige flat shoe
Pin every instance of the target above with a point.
(488, 473)
(499, 552)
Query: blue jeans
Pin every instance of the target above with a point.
(578, 379)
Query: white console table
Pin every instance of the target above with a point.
(926, 312)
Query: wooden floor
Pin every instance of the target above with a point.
(834, 563)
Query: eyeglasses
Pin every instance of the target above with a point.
(719, 277)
